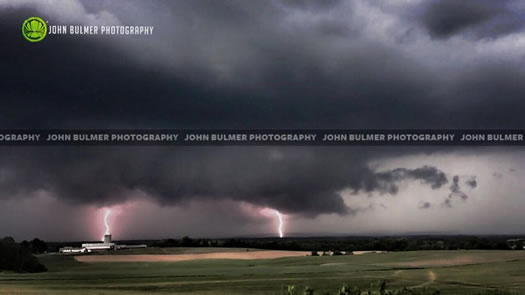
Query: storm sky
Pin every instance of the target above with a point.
(277, 64)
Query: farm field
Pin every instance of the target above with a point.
(452, 272)
(246, 255)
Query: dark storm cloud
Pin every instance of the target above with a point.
(302, 181)
(472, 182)
(447, 203)
(481, 18)
(281, 77)
(425, 205)
(388, 180)
(236, 64)
(456, 192)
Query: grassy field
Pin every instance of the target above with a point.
(453, 272)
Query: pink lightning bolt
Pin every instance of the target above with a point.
(271, 213)
(281, 222)
(108, 211)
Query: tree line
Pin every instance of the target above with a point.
(391, 244)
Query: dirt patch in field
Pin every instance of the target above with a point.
(185, 257)
(368, 252)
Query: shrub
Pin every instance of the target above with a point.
(308, 291)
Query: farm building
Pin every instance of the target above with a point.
(106, 245)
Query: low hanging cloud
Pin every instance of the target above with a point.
(303, 181)
(427, 174)
(472, 182)
(457, 192)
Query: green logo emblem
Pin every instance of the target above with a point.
(34, 29)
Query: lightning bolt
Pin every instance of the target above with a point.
(106, 222)
(281, 222)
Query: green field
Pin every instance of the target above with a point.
(453, 272)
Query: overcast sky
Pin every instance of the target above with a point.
(263, 64)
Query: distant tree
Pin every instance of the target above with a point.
(25, 244)
(186, 241)
(14, 257)
(171, 243)
(8, 240)
(294, 246)
(38, 246)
